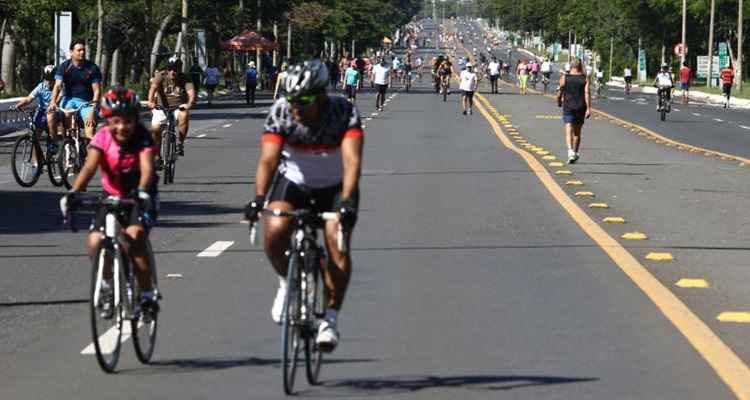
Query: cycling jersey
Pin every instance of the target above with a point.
(77, 79)
(42, 94)
(120, 166)
(172, 92)
(313, 155)
(546, 67)
(664, 80)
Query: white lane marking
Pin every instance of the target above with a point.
(617, 98)
(718, 120)
(368, 119)
(676, 109)
(744, 127)
(374, 114)
(226, 125)
(202, 135)
(215, 249)
(696, 114)
(108, 339)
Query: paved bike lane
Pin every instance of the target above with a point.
(468, 281)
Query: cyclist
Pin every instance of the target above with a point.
(468, 85)
(123, 151)
(599, 80)
(322, 138)
(80, 81)
(445, 69)
(628, 75)
(664, 83)
(534, 72)
(546, 69)
(42, 93)
(171, 89)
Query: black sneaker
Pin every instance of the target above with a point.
(149, 309)
(181, 149)
(106, 303)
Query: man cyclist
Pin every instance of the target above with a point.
(628, 75)
(444, 72)
(172, 90)
(546, 69)
(322, 139)
(123, 151)
(80, 81)
(664, 83)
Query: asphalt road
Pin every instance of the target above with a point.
(470, 279)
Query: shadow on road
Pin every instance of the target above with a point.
(30, 211)
(190, 365)
(410, 384)
(42, 303)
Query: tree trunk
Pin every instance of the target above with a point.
(114, 73)
(99, 33)
(184, 34)
(9, 62)
(2, 41)
(104, 63)
(157, 42)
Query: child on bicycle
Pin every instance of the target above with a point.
(123, 150)
(42, 93)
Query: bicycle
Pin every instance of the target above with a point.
(126, 292)
(665, 105)
(305, 302)
(545, 82)
(169, 144)
(74, 147)
(444, 84)
(28, 150)
(408, 80)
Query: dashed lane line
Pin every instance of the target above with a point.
(108, 339)
(226, 126)
(215, 249)
(696, 114)
(745, 127)
(202, 135)
(727, 365)
(718, 120)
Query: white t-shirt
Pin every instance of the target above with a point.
(600, 74)
(664, 80)
(468, 81)
(628, 73)
(494, 68)
(546, 67)
(381, 74)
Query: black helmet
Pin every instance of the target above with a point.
(48, 73)
(310, 77)
(174, 64)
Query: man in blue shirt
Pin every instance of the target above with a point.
(251, 81)
(82, 86)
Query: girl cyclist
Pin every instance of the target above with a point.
(123, 150)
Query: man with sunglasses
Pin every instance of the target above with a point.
(321, 137)
(172, 90)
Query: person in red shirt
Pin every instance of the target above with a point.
(727, 79)
(685, 82)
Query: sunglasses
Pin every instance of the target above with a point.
(303, 100)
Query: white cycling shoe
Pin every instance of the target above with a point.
(278, 305)
(328, 337)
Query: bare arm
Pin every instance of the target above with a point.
(560, 91)
(270, 155)
(55, 96)
(191, 96)
(93, 158)
(587, 95)
(351, 154)
(146, 159)
(24, 102)
(152, 93)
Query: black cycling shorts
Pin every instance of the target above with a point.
(628, 79)
(319, 200)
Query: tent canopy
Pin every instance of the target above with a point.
(249, 41)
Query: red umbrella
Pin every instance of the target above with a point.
(249, 41)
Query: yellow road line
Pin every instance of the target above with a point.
(727, 365)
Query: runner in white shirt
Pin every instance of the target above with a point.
(381, 77)
(494, 70)
(468, 85)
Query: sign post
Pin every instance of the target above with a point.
(642, 65)
(63, 34)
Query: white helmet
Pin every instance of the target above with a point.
(469, 65)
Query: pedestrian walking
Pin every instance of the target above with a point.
(351, 82)
(251, 82)
(211, 80)
(727, 80)
(196, 75)
(381, 76)
(467, 86)
(228, 77)
(685, 73)
(280, 80)
(574, 97)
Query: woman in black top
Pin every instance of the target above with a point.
(575, 99)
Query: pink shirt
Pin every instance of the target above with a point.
(121, 172)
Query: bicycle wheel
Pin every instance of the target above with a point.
(143, 327)
(106, 327)
(53, 167)
(317, 304)
(445, 94)
(22, 162)
(291, 329)
(172, 157)
(68, 162)
(167, 153)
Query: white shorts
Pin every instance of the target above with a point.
(158, 117)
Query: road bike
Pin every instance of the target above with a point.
(169, 144)
(74, 147)
(545, 82)
(408, 80)
(306, 299)
(118, 311)
(32, 153)
(444, 86)
(628, 85)
(665, 105)
(599, 85)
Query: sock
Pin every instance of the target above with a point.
(332, 315)
(282, 282)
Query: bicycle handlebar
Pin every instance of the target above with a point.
(93, 203)
(325, 216)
